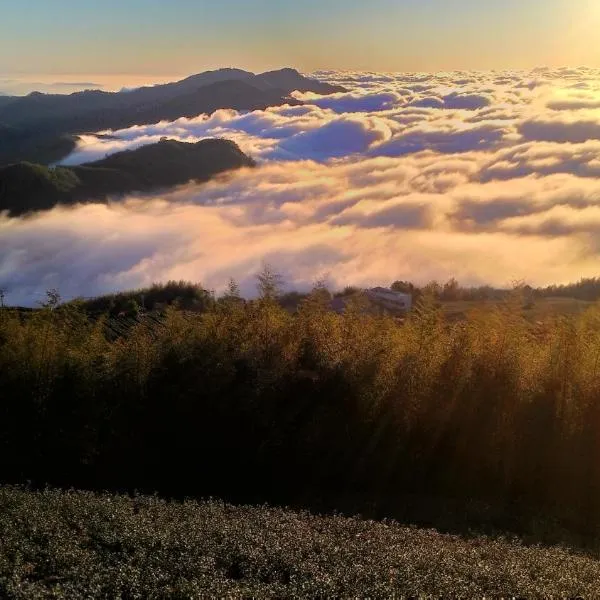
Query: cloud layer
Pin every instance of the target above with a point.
(488, 177)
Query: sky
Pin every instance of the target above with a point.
(466, 144)
(158, 39)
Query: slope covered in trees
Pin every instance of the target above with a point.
(181, 294)
(26, 187)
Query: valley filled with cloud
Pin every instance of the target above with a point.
(489, 177)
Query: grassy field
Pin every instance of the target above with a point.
(79, 545)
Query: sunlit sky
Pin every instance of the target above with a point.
(159, 38)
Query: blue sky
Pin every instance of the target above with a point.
(156, 37)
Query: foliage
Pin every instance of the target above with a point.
(269, 283)
(26, 187)
(585, 289)
(81, 545)
(183, 294)
(52, 299)
(249, 401)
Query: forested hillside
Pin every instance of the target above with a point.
(27, 187)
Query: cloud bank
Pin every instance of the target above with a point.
(488, 177)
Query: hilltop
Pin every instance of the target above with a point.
(41, 127)
(26, 187)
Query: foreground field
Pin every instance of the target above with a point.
(80, 545)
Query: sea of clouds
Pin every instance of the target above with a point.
(489, 177)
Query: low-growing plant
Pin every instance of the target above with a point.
(81, 545)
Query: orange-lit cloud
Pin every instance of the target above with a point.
(364, 186)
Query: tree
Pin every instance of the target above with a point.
(320, 291)
(320, 297)
(269, 283)
(131, 308)
(233, 289)
(232, 296)
(53, 299)
(451, 290)
(349, 290)
(433, 288)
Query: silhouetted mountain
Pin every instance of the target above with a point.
(290, 80)
(4, 100)
(26, 187)
(205, 99)
(45, 123)
(168, 91)
(37, 108)
(35, 145)
(239, 95)
(8, 133)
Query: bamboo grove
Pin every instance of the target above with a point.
(247, 400)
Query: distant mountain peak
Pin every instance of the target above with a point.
(290, 70)
(44, 124)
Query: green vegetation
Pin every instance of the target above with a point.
(80, 545)
(34, 145)
(541, 303)
(586, 289)
(253, 402)
(26, 187)
(181, 294)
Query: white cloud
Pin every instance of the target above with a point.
(563, 127)
(482, 176)
(467, 101)
(356, 102)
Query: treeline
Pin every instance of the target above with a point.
(251, 401)
(451, 290)
(193, 297)
(180, 294)
(585, 289)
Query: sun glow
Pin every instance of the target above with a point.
(583, 22)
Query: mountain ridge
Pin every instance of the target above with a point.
(43, 127)
(27, 187)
